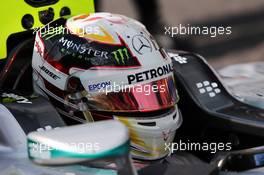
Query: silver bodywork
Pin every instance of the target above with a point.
(13, 153)
(14, 159)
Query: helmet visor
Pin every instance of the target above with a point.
(155, 95)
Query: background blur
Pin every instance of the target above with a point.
(245, 44)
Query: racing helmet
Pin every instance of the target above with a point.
(106, 66)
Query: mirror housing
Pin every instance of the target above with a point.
(79, 143)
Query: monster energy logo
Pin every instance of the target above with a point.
(120, 55)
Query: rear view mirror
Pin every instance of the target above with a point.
(82, 143)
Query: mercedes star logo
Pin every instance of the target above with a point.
(141, 44)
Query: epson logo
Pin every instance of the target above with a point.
(49, 73)
(99, 86)
(150, 74)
